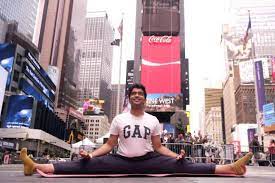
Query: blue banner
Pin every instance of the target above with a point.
(260, 91)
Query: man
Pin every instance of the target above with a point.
(139, 134)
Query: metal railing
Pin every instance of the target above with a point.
(202, 153)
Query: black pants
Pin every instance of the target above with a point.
(151, 163)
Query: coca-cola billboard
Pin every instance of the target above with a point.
(161, 66)
(160, 39)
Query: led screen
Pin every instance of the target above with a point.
(164, 102)
(19, 113)
(7, 52)
(161, 66)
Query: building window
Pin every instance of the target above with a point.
(18, 59)
(15, 76)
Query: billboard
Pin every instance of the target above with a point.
(39, 69)
(93, 107)
(246, 70)
(7, 52)
(161, 66)
(19, 113)
(235, 47)
(37, 81)
(163, 102)
(169, 128)
(28, 89)
(269, 114)
(3, 81)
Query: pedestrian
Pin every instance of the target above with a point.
(139, 149)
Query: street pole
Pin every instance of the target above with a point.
(119, 74)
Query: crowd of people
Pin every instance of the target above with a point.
(197, 147)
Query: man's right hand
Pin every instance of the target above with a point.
(84, 154)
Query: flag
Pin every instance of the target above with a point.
(116, 42)
(120, 29)
(245, 39)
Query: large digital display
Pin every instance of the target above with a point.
(7, 52)
(161, 66)
(28, 89)
(3, 81)
(42, 72)
(93, 107)
(19, 113)
(31, 74)
(164, 102)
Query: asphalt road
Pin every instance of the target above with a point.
(13, 173)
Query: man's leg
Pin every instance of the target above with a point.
(159, 164)
(237, 168)
(108, 164)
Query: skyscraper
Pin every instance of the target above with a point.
(23, 12)
(70, 70)
(160, 62)
(52, 38)
(96, 59)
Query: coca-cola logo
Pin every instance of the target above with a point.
(160, 39)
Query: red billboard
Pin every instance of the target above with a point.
(160, 69)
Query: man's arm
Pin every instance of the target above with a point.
(161, 149)
(104, 149)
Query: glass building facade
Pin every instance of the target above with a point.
(23, 12)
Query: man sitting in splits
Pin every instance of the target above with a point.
(139, 150)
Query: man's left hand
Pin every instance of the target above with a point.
(181, 156)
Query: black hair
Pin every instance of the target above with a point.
(139, 86)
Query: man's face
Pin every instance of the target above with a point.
(137, 98)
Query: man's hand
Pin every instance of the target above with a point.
(181, 155)
(84, 154)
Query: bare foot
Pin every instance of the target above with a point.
(28, 163)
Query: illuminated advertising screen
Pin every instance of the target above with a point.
(3, 82)
(33, 76)
(93, 107)
(28, 89)
(7, 52)
(19, 113)
(164, 102)
(39, 69)
(161, 66)
(168, 128)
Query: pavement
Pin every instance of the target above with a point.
(260, 174)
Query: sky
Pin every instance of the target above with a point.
(203, 22)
